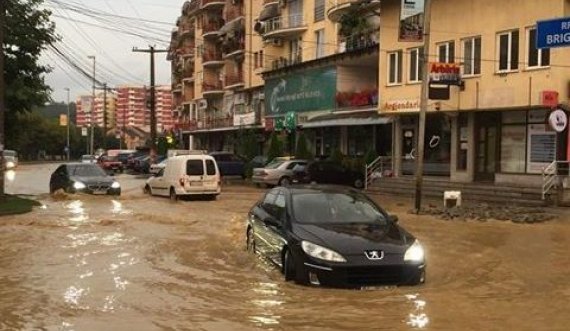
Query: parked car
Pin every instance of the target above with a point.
(145, 164)
(277, 172)
(258, 162)
(123, 156)
(327, 172)
(110, 163)
(134, 156)
(10, 159)
(83, 177)
(333, 236)
(229, 164)
(156, 167)
(186, 175)
(88, 158)
(137, 163)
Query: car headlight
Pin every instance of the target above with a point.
(322, 253)
(10, 164)
(415, 253)
(115, 185)
(78, 185)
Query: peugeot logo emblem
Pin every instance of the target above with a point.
(374, 255)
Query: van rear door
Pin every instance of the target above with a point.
(212, 176)
(194, 175)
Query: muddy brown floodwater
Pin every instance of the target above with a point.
(139, 263)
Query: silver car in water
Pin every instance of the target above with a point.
(277, 172)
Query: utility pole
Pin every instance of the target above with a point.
(152, 51)
(423, 107)
(2, 86)
(91, 151)
(104, 115)
(68, 149)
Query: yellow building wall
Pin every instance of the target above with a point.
(455, 20)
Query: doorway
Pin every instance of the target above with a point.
(487, 146)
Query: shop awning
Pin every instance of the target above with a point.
(346, 120)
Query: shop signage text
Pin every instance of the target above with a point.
(244, 119)
(549, 98)
(402, 106)
(553, 33)
(445, 73)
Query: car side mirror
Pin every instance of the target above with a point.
(394, 218)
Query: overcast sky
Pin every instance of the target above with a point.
(115, 62)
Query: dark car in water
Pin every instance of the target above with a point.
(83, 177)
(229, 164)
(333, 236)
(327, 172)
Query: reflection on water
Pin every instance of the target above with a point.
(417, 318)
(77, 211)
(266, 308)
(10, 175)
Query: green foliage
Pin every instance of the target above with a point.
(352, 24)
(275, 146)
(162, 146)
(370, 156)
(28, 32)
(247, 145)
(302, 150)
(12, 205)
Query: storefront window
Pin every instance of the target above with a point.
(513, 148)
(331, 140)
(359, 140)
(462, 142)
(437, 145)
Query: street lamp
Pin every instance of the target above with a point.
(68, 148)
(92, 107)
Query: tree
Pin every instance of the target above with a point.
(302, 150)
(28, 32)
(275, 146)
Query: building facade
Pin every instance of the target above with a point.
(338, 72)
(89, 112)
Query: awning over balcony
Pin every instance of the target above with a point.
(235, 25)
(348, 118)
(269, 11)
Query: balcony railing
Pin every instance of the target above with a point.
(233, 45)
(338, 8)
(283, 23)
(187, 50)
(212, 86)
(187, 28)
(234, 79)
(283, 62)
(210, 56)
(233, 12)
(358, 41)
(213, 122)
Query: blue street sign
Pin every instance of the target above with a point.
(553, 33)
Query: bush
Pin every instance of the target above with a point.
(302, 151)
(275, 147)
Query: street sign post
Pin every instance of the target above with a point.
(553, 33)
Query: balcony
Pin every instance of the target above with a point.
(212, 88)
(187, 51)
(188, 74)
(233, 47)
(351, 7)
(212, 29)
(212, 59)
(190, 7)
(234, 81)
(284, 62)
(216, 122)
(283, 26)
(212, 4)
(268, 2)
(187, 30)
(357, 41)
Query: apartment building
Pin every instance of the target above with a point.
(89, 112)
(248, 65)
(494, 125)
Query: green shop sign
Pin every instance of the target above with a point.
(310, 90)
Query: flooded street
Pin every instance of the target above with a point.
(140, 263)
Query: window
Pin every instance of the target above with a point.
(210, 167)
(395, 68)
(319, 10)
(320, 36)
(472, 56)
(446, 52)
(463, 142)
(508, 50)
(194, 168)
(261, 59)
(536, 58)
(256, 60)
(416, 64)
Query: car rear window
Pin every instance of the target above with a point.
(274, 164)
(87, 171)
(336, 208)
(210, 167)
(194, 168)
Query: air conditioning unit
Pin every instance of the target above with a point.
(202, 104)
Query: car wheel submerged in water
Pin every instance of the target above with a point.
(250, 241)
(173, 195)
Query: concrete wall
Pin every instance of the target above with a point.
(355, 79)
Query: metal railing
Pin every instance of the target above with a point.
(381, 167)
(284, 22)
(552, 176)
(359, 40)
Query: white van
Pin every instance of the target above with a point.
(186, 175)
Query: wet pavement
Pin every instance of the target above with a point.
(140, 263)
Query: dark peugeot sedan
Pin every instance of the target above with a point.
(333, 236)
(83, 177)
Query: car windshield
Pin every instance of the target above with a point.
(335, 208)
(86, 171)
(274, 164)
